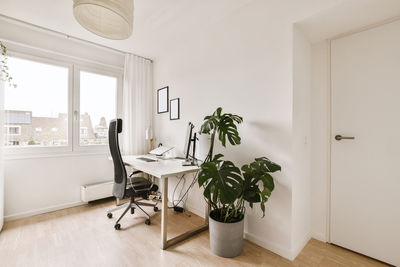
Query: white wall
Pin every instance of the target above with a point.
(42, 184)
(244, 64)
(301, 183)
(223, 70)
(320, 107)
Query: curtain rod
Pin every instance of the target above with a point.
(57, 33)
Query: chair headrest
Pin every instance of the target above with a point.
(116, 124)
(119, 125)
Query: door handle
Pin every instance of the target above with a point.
(338, 137)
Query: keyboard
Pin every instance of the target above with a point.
(146, 159)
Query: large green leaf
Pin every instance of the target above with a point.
(267, 165)
(258, 183)
(221, 179)
(224, 125)
(227, 129)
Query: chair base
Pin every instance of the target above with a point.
(132, 205)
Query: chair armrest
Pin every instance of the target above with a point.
(134, 172)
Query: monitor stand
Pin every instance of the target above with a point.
(193, 161)
(189, 162)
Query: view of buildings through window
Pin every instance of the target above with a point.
(36, 111)
(97, 105)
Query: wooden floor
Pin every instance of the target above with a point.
(84, 236)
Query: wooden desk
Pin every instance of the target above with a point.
(163, 169)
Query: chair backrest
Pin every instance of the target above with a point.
(120, 176)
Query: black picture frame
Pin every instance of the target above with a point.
(172, 104)
(160, 93)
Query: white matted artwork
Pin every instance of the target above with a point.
(162, 100)
(174, 112)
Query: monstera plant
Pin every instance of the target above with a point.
(227, 188)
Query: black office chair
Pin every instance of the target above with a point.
(124, 186)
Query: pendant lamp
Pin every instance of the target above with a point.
(112, 19)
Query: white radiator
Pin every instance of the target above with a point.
(96, 191)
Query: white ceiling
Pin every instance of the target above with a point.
(160, 24)
(157, 23)
(348, 15)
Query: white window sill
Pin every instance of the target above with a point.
(54, 155)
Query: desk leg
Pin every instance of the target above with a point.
(165, 243)
(164, 214)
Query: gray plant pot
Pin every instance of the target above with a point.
(226, 239)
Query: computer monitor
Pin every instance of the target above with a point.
(188, 140)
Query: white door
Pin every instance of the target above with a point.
(365, 181)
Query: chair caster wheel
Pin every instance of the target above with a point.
(109, 215)
(155, 209)
(117, 226)
(132, 210)
(147, 222)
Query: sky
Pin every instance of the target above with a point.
(43, 89)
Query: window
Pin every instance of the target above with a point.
(39, 101)
(12, 143)
(59, 106)
(12, 130)
(98, 99)
(83, 132)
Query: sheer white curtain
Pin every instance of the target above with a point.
(137, 104)
(1, 154)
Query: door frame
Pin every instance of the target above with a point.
(330, 113)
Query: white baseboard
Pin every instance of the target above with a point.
(284, 252)
(25, 214)
(319, 236)
(299, 247)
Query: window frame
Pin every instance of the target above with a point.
(74, 66)
(48, 149)
(76, 120)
